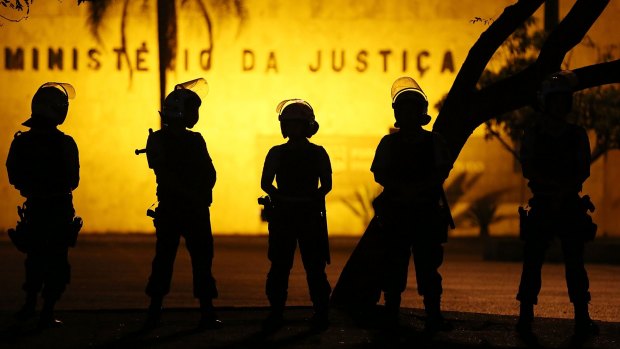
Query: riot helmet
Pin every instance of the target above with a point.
(50, 104)
(181, 105)
(408, 100)
(557, 85)
(298, 110)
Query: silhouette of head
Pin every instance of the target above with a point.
(180, 108)
(50, 105)
(297, 118)
(409, 103)
(555, 95)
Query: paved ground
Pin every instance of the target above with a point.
(103, 305)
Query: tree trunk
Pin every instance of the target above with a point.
(167, 41)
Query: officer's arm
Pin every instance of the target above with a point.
(325, 173)
(269, 172)
(12, 165)
(206, 162)
(156, 157)
(380, 163)
(154, 153)
(73, 163)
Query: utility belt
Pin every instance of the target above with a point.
(547, 215)
(426, 220)
(32, 231)
(272, 210)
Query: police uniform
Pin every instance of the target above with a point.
(185, 179)
(412, 224)
(43, 165)
(297, 172)
(556, 165)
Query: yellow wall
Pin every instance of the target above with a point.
(112, 112)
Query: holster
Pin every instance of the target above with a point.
(74, 230)
(566, 219)
(20, 236)
(525, 223)
(587, 225)
(266, 213)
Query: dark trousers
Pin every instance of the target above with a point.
(47, 264)
(284, 235)
(172, 223)
(533, 258)
(427, 258)
(48, 270)
(417, 230)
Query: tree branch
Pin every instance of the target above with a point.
(490, 40)
(598, 74)
(568, 34)
(475, 107)
(519, 90)
(453, 121)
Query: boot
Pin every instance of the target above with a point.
(524, 324)
(208, 317)
(392, 309)
(584, 326)
(435, 321)
(47, 319)
(153, 314)
(275, 319)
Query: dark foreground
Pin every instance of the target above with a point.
(121, 329)
(103, 305)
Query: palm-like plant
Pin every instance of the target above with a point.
(167, 20)
(482, 212)
(360, 202)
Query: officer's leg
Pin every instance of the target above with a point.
(313, 257)
(34, 265)
(199, 243)
(397, 266)
(57, 276)
(161, 274)
(281, 251)
(578, 284)
(163, 263)
(428, 257)
(531, 280)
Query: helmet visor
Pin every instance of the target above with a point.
(65, 87)
(403, 84)
(198, 86)
(288, 102)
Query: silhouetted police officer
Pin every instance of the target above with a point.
(299, 210)
(185, 179)
(411, 165)
(43, 165)
(555, 157)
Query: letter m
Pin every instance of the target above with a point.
(13, 60)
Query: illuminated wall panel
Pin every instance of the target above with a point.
(341, 56)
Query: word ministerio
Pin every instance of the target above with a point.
(74, 59)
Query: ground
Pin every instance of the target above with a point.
(104, 305)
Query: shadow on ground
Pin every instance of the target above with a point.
(121, 329)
